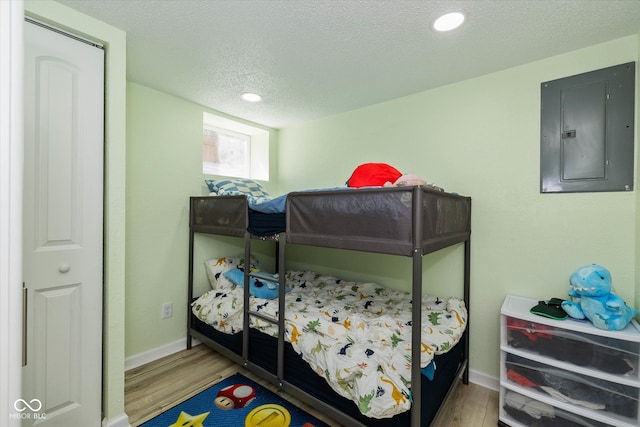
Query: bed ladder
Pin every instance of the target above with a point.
(247, 312)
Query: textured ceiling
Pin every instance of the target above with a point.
(314, 58)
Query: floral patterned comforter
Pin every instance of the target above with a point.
(356, 335)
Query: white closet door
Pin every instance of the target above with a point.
(63, 229)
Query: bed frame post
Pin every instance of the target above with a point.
(280, 258)
(467, 297)
(245, 299)
(190, 285)
(416, 315)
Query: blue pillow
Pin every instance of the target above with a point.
(234, 186)
(257, 287)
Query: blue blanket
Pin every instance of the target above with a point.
(268, 205)
(278, 204)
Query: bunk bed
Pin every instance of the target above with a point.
(403, 221)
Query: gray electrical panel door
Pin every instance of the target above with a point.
(587, 131)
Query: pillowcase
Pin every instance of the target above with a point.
(266, 289)
(245, 186)
(373, 175)
(216, 267)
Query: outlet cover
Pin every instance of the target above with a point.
(167, 310)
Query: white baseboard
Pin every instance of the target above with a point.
(484, 380)
(121, 420)
(157, 353)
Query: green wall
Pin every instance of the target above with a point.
(164, 168)
(480, 138)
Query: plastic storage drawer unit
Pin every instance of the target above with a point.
(587, 375)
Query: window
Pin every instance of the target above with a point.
(225, 152)
(232, 148)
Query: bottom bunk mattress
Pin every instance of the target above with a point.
(263, 352)
(354, 335)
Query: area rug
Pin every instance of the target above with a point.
(235, 402)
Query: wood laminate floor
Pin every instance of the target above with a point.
(159, 385)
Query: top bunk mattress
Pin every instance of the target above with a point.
(390, 220)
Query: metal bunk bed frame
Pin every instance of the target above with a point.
(419, 249)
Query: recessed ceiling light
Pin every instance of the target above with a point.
(448, 21)
(251, 97)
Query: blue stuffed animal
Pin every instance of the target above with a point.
(591, 287)
(267, 289)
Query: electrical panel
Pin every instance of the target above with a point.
(587, 131)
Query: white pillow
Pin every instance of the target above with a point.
(216, 267)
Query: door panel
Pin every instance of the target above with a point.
(63, 242)
(56, 186)
(58, 311)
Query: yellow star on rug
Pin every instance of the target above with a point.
(186, 420)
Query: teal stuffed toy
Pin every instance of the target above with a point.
(591, 287)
